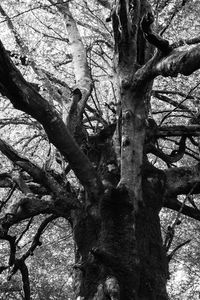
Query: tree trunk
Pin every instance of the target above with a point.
(122, 256)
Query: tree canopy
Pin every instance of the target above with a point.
(100, 127)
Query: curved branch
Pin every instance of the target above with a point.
(175, 155)
(153, 38)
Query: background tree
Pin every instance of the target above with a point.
(108, 130)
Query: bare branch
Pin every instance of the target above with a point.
(38, 174)
(174, 156)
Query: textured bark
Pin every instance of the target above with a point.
(123, 248)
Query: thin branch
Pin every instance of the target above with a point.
(8, 196)
(36, 172)
(24, 231)
(25, 279)
(172, 102)
(171, 254)
(181, 103)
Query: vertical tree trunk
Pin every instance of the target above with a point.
(122, 257)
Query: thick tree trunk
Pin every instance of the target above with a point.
(122, 256)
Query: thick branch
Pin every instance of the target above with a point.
(183, 60)
(81, 69)
(174, 156)
(182, 180)
(30, 206)
(152, 37)
(24, 97)
(178, 130)
(174, 204)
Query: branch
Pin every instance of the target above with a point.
(177, 130)
(153, 38)
(175, 155)
(171, 254)
(36, 240)
(24, 97)
(182, 60)
(174, 204)
(182, 180)
(104, 3)
(22, 56)
(171, 102)
(38, 174)
(19, 264)
(5, 180)
(81, 69)
(25, 279)
(30, 206)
